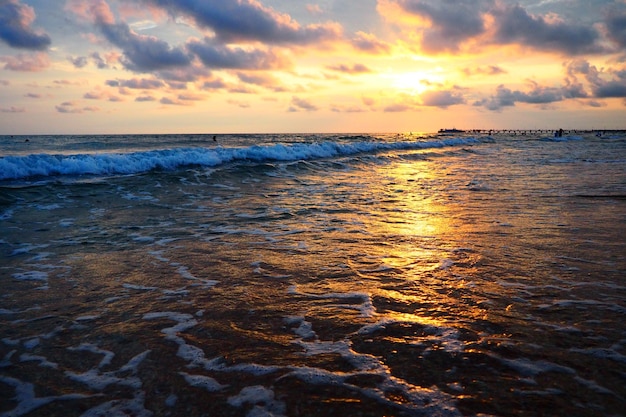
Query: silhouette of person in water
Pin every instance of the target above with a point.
(214, 139)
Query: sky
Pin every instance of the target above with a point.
(289, 66)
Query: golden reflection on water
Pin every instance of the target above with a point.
(417, 276)
(409, 206)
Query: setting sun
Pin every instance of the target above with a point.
(414, 82)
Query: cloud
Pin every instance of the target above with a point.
(144, 53)
(249, 20)
(15, 26)
(314, 9)
(367, 42)
(79, 61)
(346, 109)
(174, 101)
(141, 53)
(452, 22)
(301, 104)
(505, 97)
(214, 55)
(582, 81)
(443, 98)
(101, 95)
(354, 69)
(12, 109)
(515, 25)
(34, 62)
(145, 99)
(455, 25)
(99, 61)
(184, 74)
(488, 70)
(71, 107)
(397, 108)
(214, 84)
(604, 84)
(616, 27)
(258, 79)
(137, 83)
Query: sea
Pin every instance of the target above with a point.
(402, 274)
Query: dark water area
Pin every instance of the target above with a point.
(309, 275)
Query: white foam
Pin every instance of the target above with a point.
(366, 307)
(6, 361)
(25, 357)
(530, 368)
(121, 408)
(261, 398)
(31, 343)
(47, 207)
(87, 317)
(202, 283)
(97, 380)
(31, 276)
(304, 329)
(66, 222)
(201, 381)
(139, 287)
(195, 355)
(171, 400)
(5, 215)
(26, 399)
(26, 248)
(89, 347)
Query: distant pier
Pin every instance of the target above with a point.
(531, 132)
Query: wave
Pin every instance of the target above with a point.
(561, 138)
(46, 165)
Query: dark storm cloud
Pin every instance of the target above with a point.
(15, 26)
(215, 55)
(236, 20)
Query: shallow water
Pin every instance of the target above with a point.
(478, 277)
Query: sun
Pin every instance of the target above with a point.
(414, 82)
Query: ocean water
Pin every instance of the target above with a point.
(313, 275)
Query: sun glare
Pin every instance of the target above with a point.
(414, 82)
